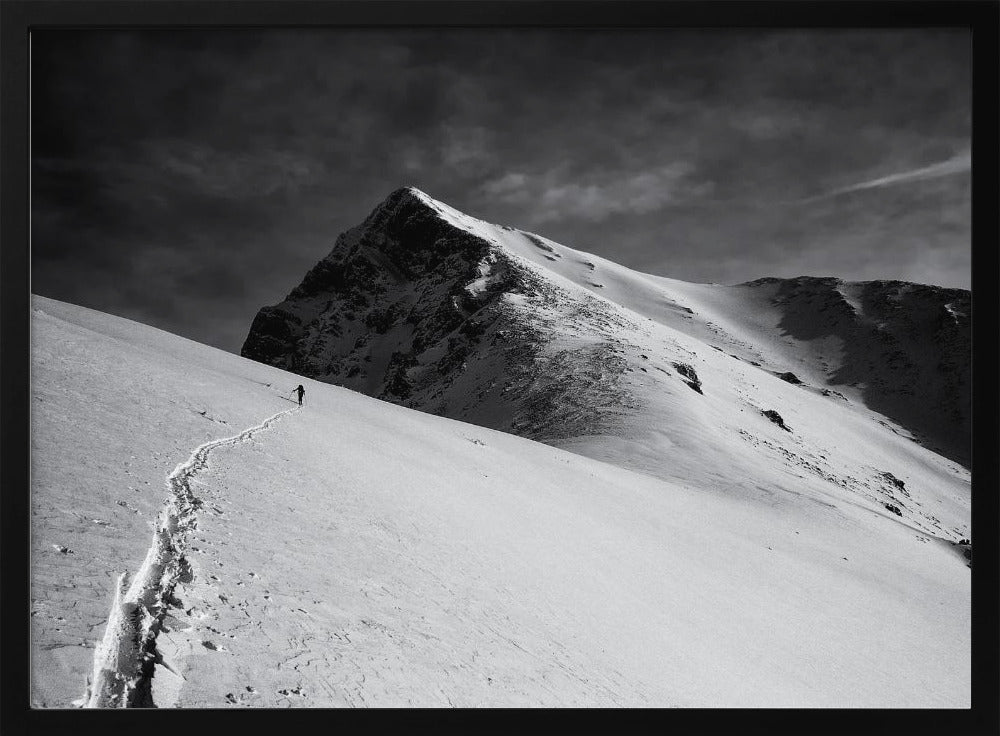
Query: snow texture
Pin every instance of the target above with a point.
(361, 553)
(124, 658)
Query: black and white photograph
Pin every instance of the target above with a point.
(485, 367)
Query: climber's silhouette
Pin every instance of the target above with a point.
(300, 391)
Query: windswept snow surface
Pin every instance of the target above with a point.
(358, 553)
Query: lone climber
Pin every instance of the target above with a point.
(301, 391)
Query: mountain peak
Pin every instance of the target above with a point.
(410, 195)
(403, 196)
(418, 193)
(409, 205)
(407, 192)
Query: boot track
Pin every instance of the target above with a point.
(125, 658)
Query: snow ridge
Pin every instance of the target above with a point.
(125, 658)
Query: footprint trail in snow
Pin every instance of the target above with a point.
(125, 657)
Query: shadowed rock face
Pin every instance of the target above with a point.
(908, 346)
(392, 312)
(371, 282)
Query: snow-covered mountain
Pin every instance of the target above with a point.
(771, 382)
(355, 552)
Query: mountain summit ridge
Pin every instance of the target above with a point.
(403, 300)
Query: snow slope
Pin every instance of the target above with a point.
(355, 552)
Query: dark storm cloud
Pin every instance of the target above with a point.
(185, 178)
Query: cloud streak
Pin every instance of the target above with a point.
(959, 164)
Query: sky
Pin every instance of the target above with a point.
(186, 178)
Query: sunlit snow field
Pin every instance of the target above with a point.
(356, 553)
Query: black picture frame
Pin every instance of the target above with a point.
(18, 19)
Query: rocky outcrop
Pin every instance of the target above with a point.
(411, 309)
(776, 418)
(689, 375)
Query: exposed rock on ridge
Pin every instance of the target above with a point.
(411, 309)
